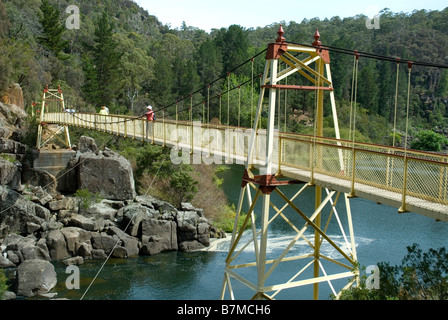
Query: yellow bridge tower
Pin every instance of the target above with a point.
(313, 65)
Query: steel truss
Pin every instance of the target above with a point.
(310, 266)
(52, 101)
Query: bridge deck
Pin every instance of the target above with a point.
(415, 181)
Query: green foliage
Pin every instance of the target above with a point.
(102, 69)
(125, 58)
(3, 283)
(183, 186)
(226, 219)
(30, 136)
(421, 276)
(428, 140)
(87, 198)
(155, 170)
(52, 30)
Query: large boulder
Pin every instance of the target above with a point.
(108, 174)
(12, 147)
(10, 173)
(17, 212)
(104, 241)
(12, 118)
(193, 229)
(35, 277)
(158, 236)
(87, 144)
(132, 217)
(57, 245)
(19, 248)
(75, 237)
(13, 95)
(6, 263)
(129, 243)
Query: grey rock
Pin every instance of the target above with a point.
(8, 295)
(78, 220)
(131, 244)
(112, 177)
(74, 236)
(35, 277)
(132, 216)
(74, 261)
(120, 252)
(10, 173)
(188, 246)
(87, 144)
(98, 254)
(187, 222)
(57, 245)
(68, 203)
(13, 257)
(11, 146)
(102, 210)
(85, 250)
(16, 211)
(6, 263)
(104, 241)
(158, 236)
(186, 206)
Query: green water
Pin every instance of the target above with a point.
(381, 234)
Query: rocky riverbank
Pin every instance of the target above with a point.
(38, 228)
(39, 224)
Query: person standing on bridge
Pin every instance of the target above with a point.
(103, 111)
(149, 114)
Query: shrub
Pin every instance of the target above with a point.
(87, 198)
(427, 140)
(3, 285)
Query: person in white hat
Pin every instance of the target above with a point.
(149, 121)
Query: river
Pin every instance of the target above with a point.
(382, 235)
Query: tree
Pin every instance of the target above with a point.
(103, 71)
(442, 89)
(234, 45)
(183, 186)
(52, 30)
(368, 88)
(137, 68)
(427, 140)
(209, 61)
(421, 276)
(4, 21)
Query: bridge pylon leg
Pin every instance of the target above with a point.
(314, 250)
(52, 102)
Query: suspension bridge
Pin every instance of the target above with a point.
(409, 180)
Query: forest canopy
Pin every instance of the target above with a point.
(124, 57)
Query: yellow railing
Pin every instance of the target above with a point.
(410, 173)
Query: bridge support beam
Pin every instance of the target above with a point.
(52, 101)
(266, 283)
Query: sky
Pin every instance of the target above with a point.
(209, 14)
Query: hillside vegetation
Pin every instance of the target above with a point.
(124, 57)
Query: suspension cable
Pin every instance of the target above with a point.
(407, 107)
(396, 105)
(372, 55)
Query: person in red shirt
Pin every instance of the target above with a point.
(149, 114)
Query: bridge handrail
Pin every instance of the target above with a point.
(423, 175)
